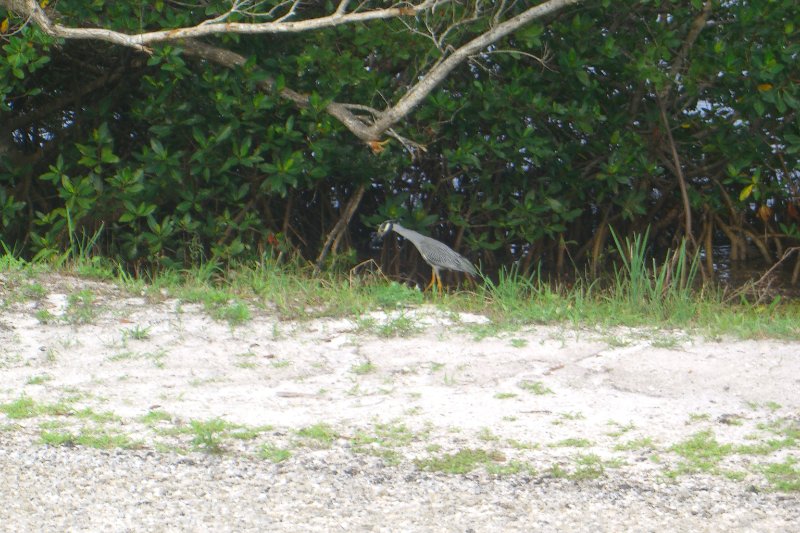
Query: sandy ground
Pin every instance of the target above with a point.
(546, 397)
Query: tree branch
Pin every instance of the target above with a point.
(691, 37)
(438, 73)
(368, 128)
(216, 25)
(687, 206)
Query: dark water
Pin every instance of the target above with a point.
(736, 274)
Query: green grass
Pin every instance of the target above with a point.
(273, 453)
(573, 443)
(588, 466)
(208, 435)
(400, 325)
(505, 395)
(38, 380)
(644, 443)
(91, 439)
(317, 436)
(234, 313)
(22, 407)
(461, 462)
(155, 416)
(639, 292)
(486, 435)
(136, 333)
(535, 387)
(81, 307)
(44, 316)
(383, 440)
(621, 429)
(783, 476)
(366, 367)
(700, 453)
(520, 445)
(510, 468)
(25, 407)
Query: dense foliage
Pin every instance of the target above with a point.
(620, 114)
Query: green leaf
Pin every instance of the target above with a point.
(107, 155)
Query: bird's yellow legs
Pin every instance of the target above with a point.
(435, 278)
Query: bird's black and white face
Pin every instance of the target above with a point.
(385, 228)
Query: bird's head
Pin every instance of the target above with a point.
(383, 230)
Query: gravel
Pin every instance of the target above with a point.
(84, 489)
(676, 432)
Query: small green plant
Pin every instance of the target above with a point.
(573, 443)
(363, 368)
(510, 468)
(382, 441)
(460, 462)
(393, 295)
(318, 435)
(38, 380)
(614, 341)
(486, 435)
(273, 453)
(44, 316)
(784, 476)
(61, 408)
(208, 434)
(366, 324)
(536, 387)
(22, 407)
(701, 453)
(155, 416)
(89, 439)
(621, 429)
(644, 443)
(34, 291)
(558, 472)
(588, 466)
(51, 354)
(81, 307)
(89, 414)
(157, 357)
(136, 333)
(58, 438)
(400, 326)
(235, 313)
(505, 395)
(519, 343)
(666, 341)
(520, 445)
(123, 356)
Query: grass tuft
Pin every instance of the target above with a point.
(460, 462)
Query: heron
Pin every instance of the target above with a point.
(437, 254)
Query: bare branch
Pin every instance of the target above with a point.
(370, 124)
(438, 73)
(140, 41)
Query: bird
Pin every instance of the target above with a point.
(437, 254)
